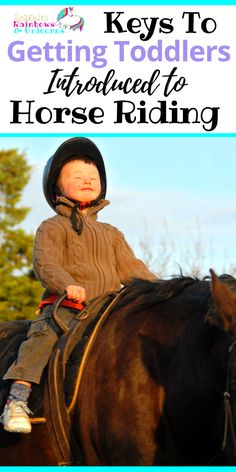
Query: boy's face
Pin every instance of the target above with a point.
(80, 181)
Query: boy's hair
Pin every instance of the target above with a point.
(85, 159)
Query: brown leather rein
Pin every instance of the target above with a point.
(229, 426)
(67, 450)
(56, 318)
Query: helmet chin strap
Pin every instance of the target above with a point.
(77, 223)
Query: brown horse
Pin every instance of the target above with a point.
(154, 388)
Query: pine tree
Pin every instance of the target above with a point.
(19, 290)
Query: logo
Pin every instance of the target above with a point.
(39, 23)
(67, 19)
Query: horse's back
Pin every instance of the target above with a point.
(10, 327)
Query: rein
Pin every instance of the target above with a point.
(229, 422)
(67, 448)
(90, 344)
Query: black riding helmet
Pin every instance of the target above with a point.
(67, 151)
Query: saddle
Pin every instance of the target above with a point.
(61, 380)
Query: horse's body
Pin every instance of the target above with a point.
(152, 392)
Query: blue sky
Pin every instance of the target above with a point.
(177, 194)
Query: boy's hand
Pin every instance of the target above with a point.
(76, 293)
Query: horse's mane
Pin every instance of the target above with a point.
(152, 292)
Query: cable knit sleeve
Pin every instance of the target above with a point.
(128, 266)
(49, 244)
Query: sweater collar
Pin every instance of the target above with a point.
(65, 206)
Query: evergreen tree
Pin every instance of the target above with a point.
(19, 290)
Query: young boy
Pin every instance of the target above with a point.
(73, 253)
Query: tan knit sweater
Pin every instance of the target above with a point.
(99, 259)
